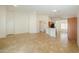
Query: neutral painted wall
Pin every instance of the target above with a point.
(21, 22)
(2, 21)
(15, 21)
(44, 22)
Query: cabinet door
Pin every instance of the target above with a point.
(72, 29)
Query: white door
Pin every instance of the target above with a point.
(20, 23)
(10, 23)
(27, 23)
(32, 24)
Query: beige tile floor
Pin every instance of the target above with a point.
(35, 43)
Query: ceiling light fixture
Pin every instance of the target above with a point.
(14, 5)
(54, 10)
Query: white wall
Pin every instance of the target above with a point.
(15, 21)
(44, 21)
(2, 21)
(25, 22)
(19, 21)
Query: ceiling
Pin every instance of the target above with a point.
(61, 10)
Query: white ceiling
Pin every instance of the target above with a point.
(62, 10)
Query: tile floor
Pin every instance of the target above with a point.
(35, 43)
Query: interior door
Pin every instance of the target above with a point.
(20, 22)
(10, 23)
(27, 23)
(72, 29)
(32, 23)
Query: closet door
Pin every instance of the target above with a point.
(20, 22)
(32, 23)
(27, 23)
(2, 21)
(10, 23)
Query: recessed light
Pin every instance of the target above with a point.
(14, 5)
(54, 10)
